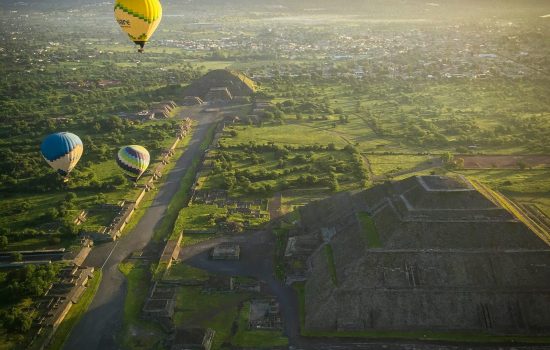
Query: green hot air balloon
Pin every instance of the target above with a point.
(134, 160)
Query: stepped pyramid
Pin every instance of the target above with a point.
(441, 257)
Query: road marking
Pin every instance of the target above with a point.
(109, 256)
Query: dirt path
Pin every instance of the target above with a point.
(504, 161)
(429, 164)
(275, 206)
(373, 178)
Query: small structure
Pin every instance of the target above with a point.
(264, 314)
(218, 283)
(58, 300)
(86, 248)
(171, 251)
(114, 230)
(218, 94)
(226, 251)
(163, 109)
(81, 218)
(193, 339)
(241, 99)
(160, 304)
(192, 101)
(302, 246)
(245, 284)
(231, 119)
(34, 255)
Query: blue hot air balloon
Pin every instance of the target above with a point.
(62, 151)
(134, 160)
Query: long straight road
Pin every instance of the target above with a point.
(102, 321)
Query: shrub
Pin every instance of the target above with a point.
(18, 320)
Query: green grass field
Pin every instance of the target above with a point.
(214, 310)
(524, 186)
(181, 198)
(256, 339)
(389, 165)
(136, 332)
(198, 217)
(182, 271)
(27, 210)
(435, 117)
(219, 311)
(289, 134)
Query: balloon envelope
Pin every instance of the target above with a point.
(62, 151)
(133, 159)
(138, 18)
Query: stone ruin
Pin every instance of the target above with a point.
(446, 259)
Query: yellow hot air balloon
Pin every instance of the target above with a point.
(138, 18)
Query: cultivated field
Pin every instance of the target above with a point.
(504, 162)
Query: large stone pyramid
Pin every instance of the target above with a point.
(425, 253)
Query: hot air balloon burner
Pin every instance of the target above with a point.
(141, 45)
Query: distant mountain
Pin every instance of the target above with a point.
(46, 4)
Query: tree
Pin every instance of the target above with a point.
(333, 182)
(229, 181)
(447, 158)
(118, 180)
(30, 281)
(69, 228)
(51, 215)
(235, 226)
(3, 242)
(26, 205)
(18, 320)
(17, 256)
(69, 197)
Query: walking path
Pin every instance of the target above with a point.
(104, 318)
